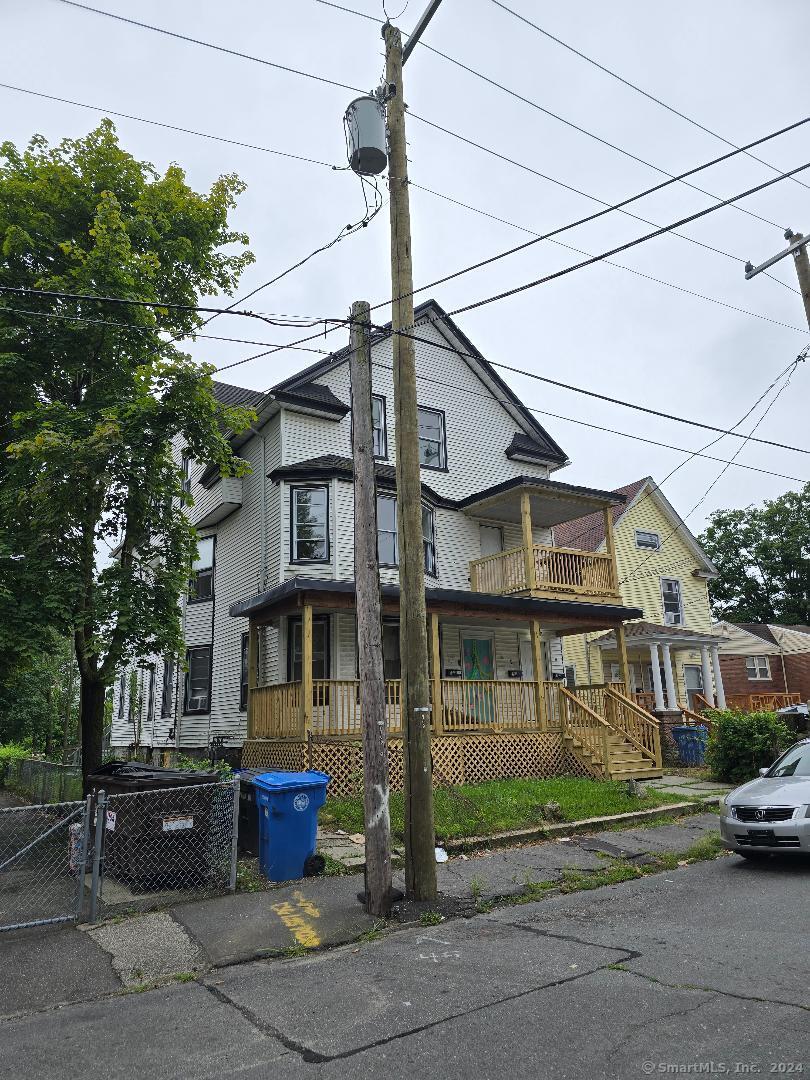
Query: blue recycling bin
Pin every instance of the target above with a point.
(288, 805)
(691, 743)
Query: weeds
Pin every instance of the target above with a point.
(431, 918)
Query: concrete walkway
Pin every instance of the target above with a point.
(43, 968)
(687, 786)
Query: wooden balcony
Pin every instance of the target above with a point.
(547, 572)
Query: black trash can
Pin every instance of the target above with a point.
(248, 811)
(152, 839)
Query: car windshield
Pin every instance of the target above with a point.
(796, 762)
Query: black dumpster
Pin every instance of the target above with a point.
(159, 824)
(248, 811)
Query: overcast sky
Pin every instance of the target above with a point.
(736, 66)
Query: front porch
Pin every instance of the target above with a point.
(496, 709)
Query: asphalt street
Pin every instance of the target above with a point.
(706, 966)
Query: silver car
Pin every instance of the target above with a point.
(771, 814)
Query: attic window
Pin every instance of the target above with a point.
(648, 541)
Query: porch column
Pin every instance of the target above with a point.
(707, 674)
(306, 670)
(537, 664)
(624, 667)
(656, 677)
(252, 675)
(436, 674)
(669, 678)
(610, 548)
(720, 693)
(528, 541)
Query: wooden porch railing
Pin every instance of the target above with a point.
(557, 570)
(487, 705)
(760, 702)
(336, 708)
(275, 711)
(586, 727)
(635, 723)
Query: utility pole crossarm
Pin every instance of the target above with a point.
(797, 242)
(420, 28)
(798, 249)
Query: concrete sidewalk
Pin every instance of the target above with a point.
(43, 968)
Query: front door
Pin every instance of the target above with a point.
(693, 677)
(478, 668)
(491, 540)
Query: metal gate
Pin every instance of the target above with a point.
(43, 851)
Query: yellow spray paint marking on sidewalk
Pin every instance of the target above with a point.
(294, 917)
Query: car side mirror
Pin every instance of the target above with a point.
(764, 772)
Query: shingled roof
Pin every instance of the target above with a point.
(588, 533)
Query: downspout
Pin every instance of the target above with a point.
(782, 658)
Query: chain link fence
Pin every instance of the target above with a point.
(42, 855)
(44, 781)
(157, 847)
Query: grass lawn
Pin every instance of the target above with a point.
(502, 805)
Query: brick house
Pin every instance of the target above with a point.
(760, 660)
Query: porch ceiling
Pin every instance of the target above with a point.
(551, 502)
(563, 616)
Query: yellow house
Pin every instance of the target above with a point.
(672, 653)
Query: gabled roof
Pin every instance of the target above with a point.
(533, 442)
(589, 532)
(760, 630)
(227, 394)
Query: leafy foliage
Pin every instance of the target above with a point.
(92, 395)
(740, 744)
(763, 556)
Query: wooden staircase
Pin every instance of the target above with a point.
(610, 734)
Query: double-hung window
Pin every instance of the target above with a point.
(432, 447)
(757, 667)
(647, 541)
(122, 692)
(243, 672)
(388, 542)
(198, 680)
(309, 524)
(201, 582)
(168, 687)
(320, 648)
(673, 605)
(186, 473)
(380, 435)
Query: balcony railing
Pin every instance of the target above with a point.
(556, 571)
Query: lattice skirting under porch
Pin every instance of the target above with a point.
(457, 759)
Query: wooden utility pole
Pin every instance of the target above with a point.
(802, 264)
(420, 859)
(369, 624)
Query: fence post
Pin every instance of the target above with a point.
(95, 881)
(82, 867)
(234, 835)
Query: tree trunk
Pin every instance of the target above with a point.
(91, 722)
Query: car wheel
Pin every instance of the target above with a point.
(755, 855)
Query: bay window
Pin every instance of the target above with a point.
(309, 524)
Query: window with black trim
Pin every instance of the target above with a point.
(378, 425)
(243, 671)
(320, 648)
(757, 667)
(122, 689)
(197, 697)
(387, 540)
(168, 687)
(201, 582)
(671, 597)
(432, 447)
(309, 524)
(648, 541)
(186, 465)
(392, 668)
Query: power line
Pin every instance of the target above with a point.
(588, 393)
(638, 89)
(556, 116)
(609, 262)
(170, 127)
(705, 495)
(211, 45)
(597, 427)
(631, 243)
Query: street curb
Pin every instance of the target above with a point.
(550, 832)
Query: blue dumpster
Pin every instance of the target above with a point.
(288, 804)
(691, 743)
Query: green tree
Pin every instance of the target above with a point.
(763, 558)
(93, 537)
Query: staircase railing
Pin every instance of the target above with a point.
(586, 727)
(635, 723)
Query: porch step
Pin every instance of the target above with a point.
(649, 773)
